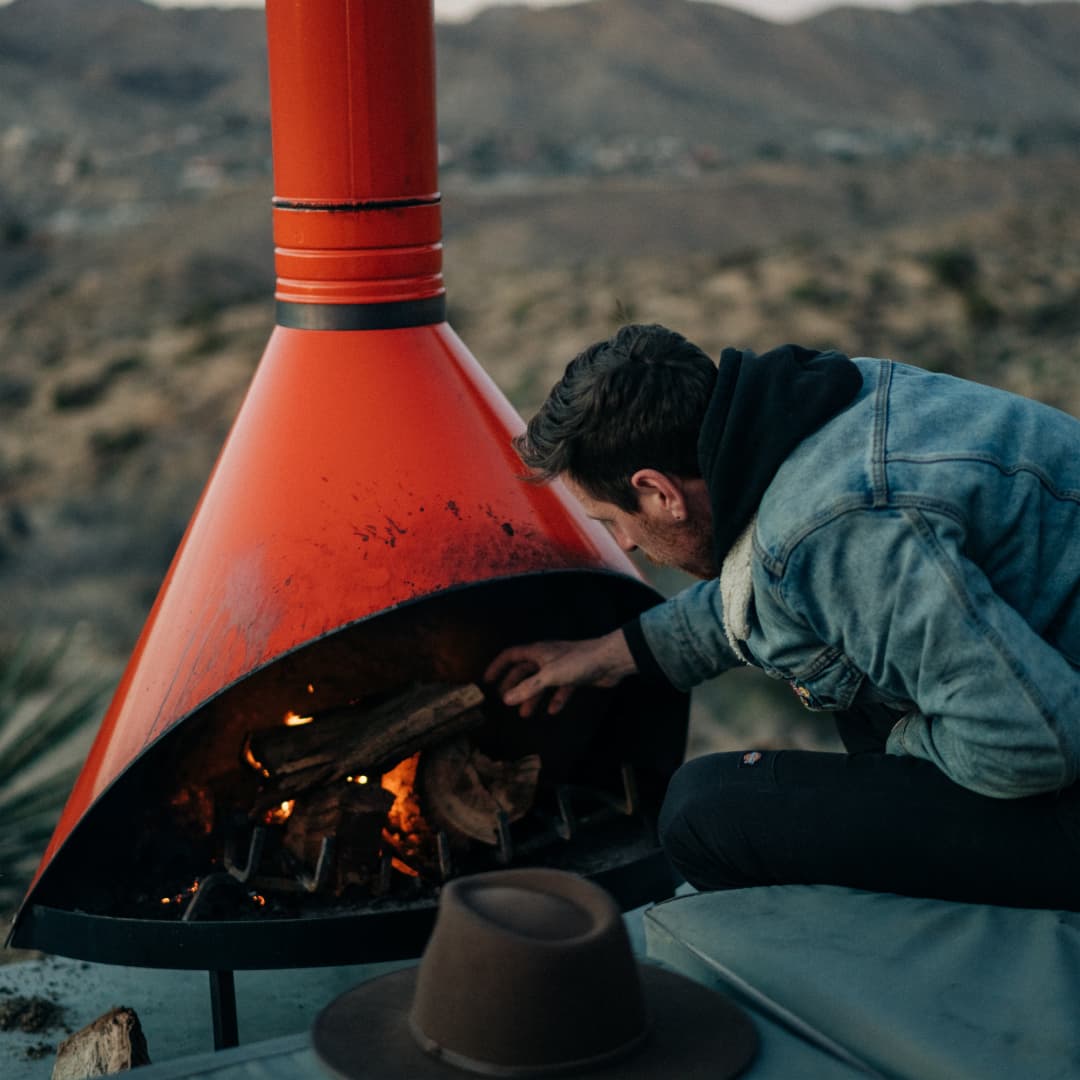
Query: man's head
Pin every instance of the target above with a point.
(635, 401)
(621, 427)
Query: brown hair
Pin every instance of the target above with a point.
(632, 402)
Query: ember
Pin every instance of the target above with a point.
(182, 897)
(196, 806)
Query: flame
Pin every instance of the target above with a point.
(361, 779)
(258, 898)
(407, 835)
(404, 816)
(399, 864)
(310, 688)
(253, 761)
(296, 720)
(278, 815)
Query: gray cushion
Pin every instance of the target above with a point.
(922, 989)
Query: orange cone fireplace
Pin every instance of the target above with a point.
(365, 526)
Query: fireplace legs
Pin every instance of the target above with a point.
(223, 1008)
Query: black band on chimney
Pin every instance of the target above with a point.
(353, 206)
(395, 315)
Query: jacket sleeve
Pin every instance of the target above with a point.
(685, 636)
(997, 706)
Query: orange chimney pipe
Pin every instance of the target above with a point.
(370, 463)
(356, 204)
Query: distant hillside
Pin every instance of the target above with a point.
(116, 113)
(87, 89)
(710, 74)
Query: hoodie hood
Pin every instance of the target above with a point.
(762, 407)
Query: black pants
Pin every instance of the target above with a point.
(868, 820)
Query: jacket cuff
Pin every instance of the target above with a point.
(647, 665)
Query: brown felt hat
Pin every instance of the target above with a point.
(530, 973)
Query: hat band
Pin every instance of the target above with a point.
(490, 1068)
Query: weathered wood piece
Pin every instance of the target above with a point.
(463, 789)
(110, 1044)
(356, 740)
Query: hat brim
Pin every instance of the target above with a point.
(696, 1032)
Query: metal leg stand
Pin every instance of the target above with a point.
(223, 1007)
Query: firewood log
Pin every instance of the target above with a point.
(356, 740)
(353, 815)
(463, 789)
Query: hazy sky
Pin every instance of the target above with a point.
(452, 9)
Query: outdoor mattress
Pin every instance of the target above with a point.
(920, 989)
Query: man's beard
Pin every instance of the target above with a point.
(683, 547)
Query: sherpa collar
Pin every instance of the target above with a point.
(737, 590)
(762, 407)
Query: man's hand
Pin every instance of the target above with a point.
(525, 673)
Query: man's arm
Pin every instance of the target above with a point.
(527, 673)
(680, 641)
(686, 638)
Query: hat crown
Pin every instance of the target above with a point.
(528, 972)
(530, 914)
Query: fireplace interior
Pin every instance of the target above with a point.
(342, 785)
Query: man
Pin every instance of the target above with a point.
(902, 547)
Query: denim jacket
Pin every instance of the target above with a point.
(921, 550)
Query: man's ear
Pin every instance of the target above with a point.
(659, 494)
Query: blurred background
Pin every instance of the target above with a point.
(897, 183)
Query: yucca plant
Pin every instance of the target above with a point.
(47, 718)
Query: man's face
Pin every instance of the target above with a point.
(683, 542)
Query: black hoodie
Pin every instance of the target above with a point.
(761, 408)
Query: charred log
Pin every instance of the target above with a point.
(354, 741)
(353, 816)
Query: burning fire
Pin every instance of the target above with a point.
(404, 816)
(408, 841)
(406, 830)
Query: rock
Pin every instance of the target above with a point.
(112, 1043)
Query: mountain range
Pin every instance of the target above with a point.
(124, 75)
